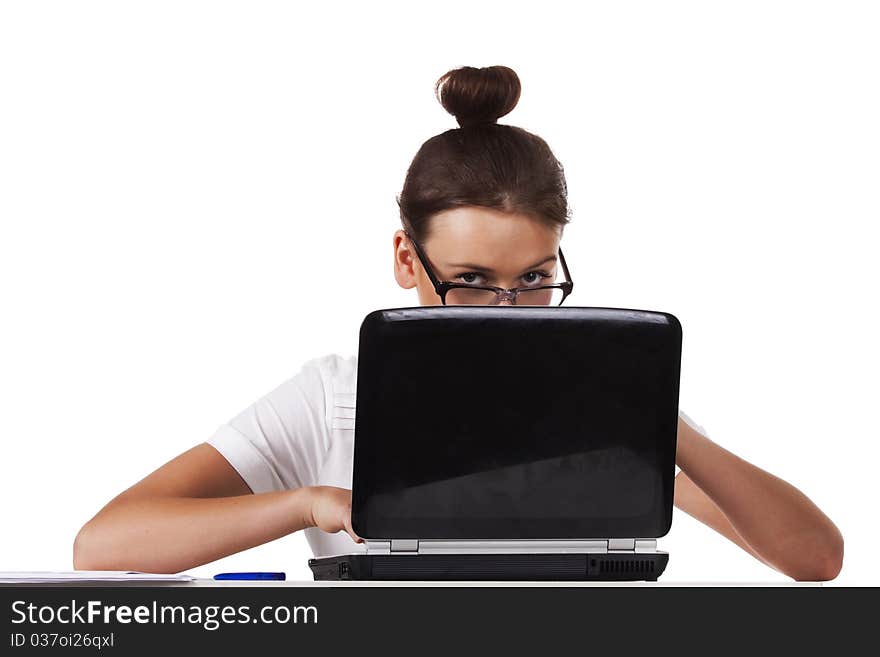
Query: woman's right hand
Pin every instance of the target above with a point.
(331, 510)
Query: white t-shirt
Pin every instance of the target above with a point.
(302, 434)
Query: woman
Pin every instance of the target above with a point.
(483, 205)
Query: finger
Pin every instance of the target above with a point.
(354, 537)
(349, 528)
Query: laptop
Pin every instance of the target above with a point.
(512, 443)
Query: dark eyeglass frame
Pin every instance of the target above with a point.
(442, 287)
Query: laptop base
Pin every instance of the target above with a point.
(593, 566)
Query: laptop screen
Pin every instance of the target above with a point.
(492, 422)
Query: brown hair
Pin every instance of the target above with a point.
(482, 163)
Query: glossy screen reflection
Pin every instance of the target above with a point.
(515, 422)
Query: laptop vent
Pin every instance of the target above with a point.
(627, 566)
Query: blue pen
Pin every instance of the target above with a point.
(250, 576)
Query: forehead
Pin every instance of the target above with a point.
(490, 238)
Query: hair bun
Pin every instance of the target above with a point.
(478, 95)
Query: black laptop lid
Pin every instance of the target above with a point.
(492, 422)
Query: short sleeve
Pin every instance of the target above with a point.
(279, 441)
(696, 427)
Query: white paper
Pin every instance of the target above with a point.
(38, 576)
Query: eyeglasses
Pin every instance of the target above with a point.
(451, 293)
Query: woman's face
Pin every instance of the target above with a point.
(479, 246)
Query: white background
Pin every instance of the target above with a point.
(193, 195)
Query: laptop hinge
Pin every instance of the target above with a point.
(632, 544)
(404, 545)
(393, 546)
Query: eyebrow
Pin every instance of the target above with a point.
(489, 270)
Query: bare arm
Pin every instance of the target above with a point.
(691, 499)
(766, 516)
(195, 509)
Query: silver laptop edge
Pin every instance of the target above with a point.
(516, 546)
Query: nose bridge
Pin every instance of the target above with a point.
(507, 295)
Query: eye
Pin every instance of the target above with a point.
(535, 278)
(471, 278)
